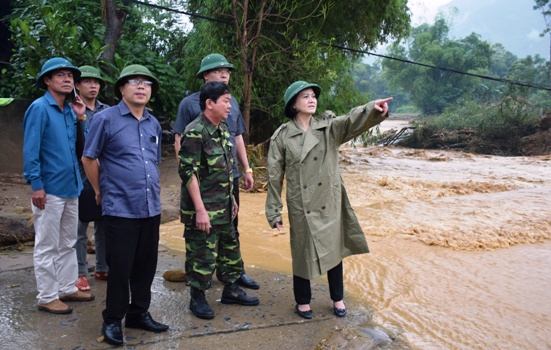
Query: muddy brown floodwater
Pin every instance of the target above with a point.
(460, 252)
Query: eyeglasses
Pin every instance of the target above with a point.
(220, 71)
(136, 82)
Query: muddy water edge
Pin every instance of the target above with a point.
(460, 246)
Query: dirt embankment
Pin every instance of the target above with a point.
(468, 140)
(15, 211)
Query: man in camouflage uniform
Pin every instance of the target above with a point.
(215, 67)
(207, 203)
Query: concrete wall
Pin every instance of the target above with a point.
(11, 136)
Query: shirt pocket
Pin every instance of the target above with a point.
(215, 158)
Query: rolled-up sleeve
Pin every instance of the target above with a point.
(190, 156)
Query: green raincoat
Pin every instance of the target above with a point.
(324, 228)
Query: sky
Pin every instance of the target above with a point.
(424, 11)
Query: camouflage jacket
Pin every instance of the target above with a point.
(206, 152)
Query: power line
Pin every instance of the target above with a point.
(505, 81)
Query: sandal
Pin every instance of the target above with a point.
(100, 275)
(82, 283)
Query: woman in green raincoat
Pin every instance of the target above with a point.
(324, 227)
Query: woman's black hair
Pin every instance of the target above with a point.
(212, 91)
(290, 111)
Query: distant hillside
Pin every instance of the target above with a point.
(513, 23)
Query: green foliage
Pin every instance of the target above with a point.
(282, 41)
(481, 115)
(545, 7)
(44, 29)
(74, 30)
(501, 61)
(155, 39)
(431, 90)
(277, 41)
(370, 81)
(511, 118)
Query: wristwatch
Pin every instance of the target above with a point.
(249, 170)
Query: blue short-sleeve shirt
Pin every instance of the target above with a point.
(129, 152)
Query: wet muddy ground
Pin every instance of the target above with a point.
(266, 326)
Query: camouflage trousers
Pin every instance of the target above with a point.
(206, 252)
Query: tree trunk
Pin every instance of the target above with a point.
(248, 49)
(114, 20)
(247, 91)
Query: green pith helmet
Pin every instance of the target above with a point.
(91, 72)
(135, 70)
(53, 64)
(213, 61)
(297, 87)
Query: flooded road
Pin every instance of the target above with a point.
(460, 246)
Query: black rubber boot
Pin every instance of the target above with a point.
(198, 304)
(232, 294)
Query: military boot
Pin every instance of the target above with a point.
(198, 304)
(232, 294)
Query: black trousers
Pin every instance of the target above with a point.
(303, 290)
(131, 253)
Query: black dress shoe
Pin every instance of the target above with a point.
(339, 312)
(304, 314)
(112, 333)
(144, 321)
(247, 282)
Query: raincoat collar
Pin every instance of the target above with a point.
(310, 139)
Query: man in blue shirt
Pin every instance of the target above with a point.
(51, 168)
(216, 68)
(121, 158)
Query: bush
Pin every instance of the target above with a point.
(513, 116)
